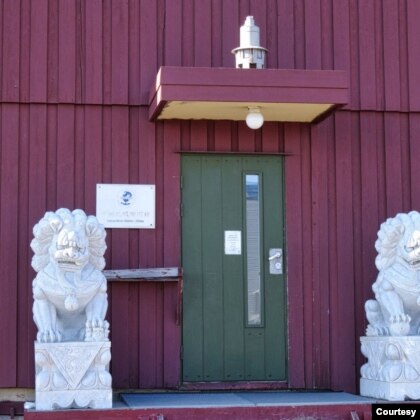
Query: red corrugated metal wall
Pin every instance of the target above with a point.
(74, 83)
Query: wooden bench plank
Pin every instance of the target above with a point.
(144, 274)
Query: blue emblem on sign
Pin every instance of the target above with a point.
(126, 198)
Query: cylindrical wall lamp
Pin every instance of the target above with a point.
(250, 54)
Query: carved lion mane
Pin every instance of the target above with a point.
(396, 308)
(70, 299)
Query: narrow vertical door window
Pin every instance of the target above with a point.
(253, 249)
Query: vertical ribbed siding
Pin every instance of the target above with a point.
(53, 156)
(108, 52)
(74, 82)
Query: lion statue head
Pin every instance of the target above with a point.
(399, 239)
(70, 239)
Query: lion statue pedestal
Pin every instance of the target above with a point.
(392, 341)
(72, 351)
(392, 371)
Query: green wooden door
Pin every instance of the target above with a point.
(234, 307)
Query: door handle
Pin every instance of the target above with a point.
(275, 258)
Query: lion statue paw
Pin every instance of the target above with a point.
(399, 325)
(48, 336)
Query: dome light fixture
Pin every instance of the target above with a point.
(254, 118)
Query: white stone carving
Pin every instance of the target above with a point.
(72, 351)
(73, 375)
(393, 368)
(392, 341)
(70, 299)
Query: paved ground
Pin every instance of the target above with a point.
(239, 399)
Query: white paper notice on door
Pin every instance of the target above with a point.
(233, 242)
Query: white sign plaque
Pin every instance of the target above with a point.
(233, 242)
(126, 205)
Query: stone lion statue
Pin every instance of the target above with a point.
(396, 308)
(70, 291)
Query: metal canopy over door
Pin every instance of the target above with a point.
(234, 313)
